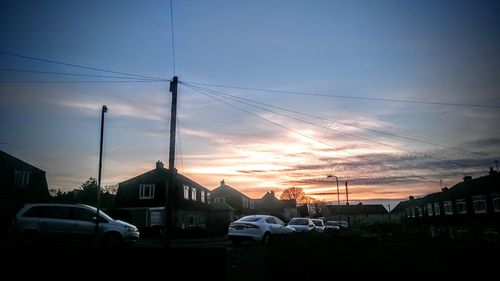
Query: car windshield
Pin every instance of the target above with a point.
(299, 222)
(250, 219)
(331, 223)
(101, 214)
(318, 223)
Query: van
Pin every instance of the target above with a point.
(37, 223)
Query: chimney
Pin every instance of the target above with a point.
(411, 197)
(159, 164)
(222, 183)
(467, 178)
(444, 189)
(272, 193)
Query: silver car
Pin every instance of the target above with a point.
(302, 224)
(36, 223)
(256, 228)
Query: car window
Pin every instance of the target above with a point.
(299, 222)
(270, 220)
(57, 212)
(278, 221)
(35, 212)
(82, 214)
(250, 218)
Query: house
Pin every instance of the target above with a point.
(469, 208)
(142, 199)
(270, 205)
(20, 183)
(357, 215)
(242, 204)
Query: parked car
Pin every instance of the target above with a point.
(256, 228)
(332, 226)
(301, 224)
(36, 223)
(319, 225)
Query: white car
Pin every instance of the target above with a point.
(319, 225)
(302, 224)
(258, 228)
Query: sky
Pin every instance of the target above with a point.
(345, 55)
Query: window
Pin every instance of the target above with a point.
(420, 211)
(209, 200)
(430, 211)
(437, 211)
(220, 200)
(21, 178)
(479, 203)
(82, 214)
(412, 212)
(408, 213)
(146, 191)
(193, 193)
(461, 207)
(186, 192)
(192, 220)
(496, 202)
(251, 204)
(202, 194)
(270, 221)
(448, 207)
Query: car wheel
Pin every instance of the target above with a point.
(266, 239)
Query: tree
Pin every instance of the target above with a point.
(296, 193)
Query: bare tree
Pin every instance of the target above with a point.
(296, 193)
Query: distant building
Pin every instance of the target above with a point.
(469, 208)
(143, 199)
(20, 183)
(270, 205)
(357, 215)
(242, 204)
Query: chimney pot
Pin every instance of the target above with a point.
(159, 164)
(467, 178)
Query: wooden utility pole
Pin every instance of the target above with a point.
(169, 187)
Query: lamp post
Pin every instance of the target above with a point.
(338, 196)
(104, 110)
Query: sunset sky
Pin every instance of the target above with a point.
(442, 54)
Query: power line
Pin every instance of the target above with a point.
(343, 133)
(78, 81)
(172, 29)
(67, 73)
(76, 65)
(347, 124)
(348, 97)
(286, 128)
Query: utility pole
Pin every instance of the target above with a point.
(338, 194)
(104, 110)
(347, 193)
(169, 187)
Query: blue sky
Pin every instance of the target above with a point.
(444, 51)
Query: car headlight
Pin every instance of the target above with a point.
(130, 229)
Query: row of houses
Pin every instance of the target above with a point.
(470, 207)
(141, 200)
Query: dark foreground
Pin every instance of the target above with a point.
(316, 257)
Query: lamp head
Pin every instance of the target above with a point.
(104, 108)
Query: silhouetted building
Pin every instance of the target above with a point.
(357, 215)
(469, 208)
(270, 205)
(242, 204)
(143, 197)
(20, 183)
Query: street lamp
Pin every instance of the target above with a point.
(104, 110)
(338, 196)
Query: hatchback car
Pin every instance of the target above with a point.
(301, 224)
(256, 228)
(70, 222)
(319, 225)
(332, 226)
